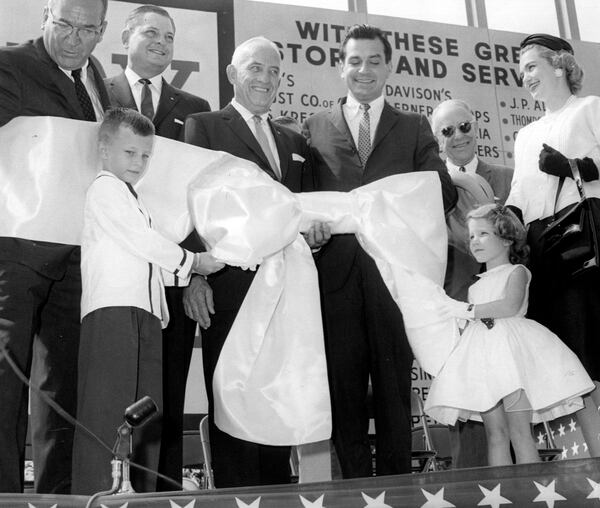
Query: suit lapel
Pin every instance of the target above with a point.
(99, 82)
(240, 128)
(58, 79)
(169, 97)
(386, 122)
(121, 91)
(282, 150)
(339, 121)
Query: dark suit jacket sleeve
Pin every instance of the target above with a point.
(195, 133)
(10, 91)
(427, 159)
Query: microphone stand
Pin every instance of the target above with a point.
(120, 463)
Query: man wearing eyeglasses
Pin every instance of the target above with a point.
(363, 139)
(455, 126)
(149, 38)
(40, 282)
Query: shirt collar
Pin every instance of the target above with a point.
(133, 78)
(84, 69)
(246, 114)
(353, 106)
(470, 167)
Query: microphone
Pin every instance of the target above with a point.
(140, 412)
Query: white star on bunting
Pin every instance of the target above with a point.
(547, 494)
(255, 503)
(540, 438)
(378, 502)
(575, 448)
(561, 430)
(436, 500)
(189, 505)
(564, 453)
(492, 497)
(572, 425)
(318, 503)
(595, 493)
(585, 447)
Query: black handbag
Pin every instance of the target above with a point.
(571, 234)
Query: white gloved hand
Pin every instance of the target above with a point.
(460, 310)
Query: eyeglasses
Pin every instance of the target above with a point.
(65, 29)
(464, 127)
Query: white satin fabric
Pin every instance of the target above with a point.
(270, 383)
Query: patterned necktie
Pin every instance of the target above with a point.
(364, 135)
(83, 97)
(261, 137)
(146, 106)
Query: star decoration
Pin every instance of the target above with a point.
(564, 453)
(436, 500)
(315, 504)
(575, 448)
(585, 447)
(255, 503)
(378, 502)
(547, 494)
(189, 505)
(572, 425)
(595, 493)
(540, 438)
(492, 497)
(561, 430)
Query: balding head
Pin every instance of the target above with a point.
(254, 72)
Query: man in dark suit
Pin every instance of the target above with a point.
(40, 282)
(149, 38)
(363, 139)
(455, 127)
(243, 129)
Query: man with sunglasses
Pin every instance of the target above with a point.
(40, 281)
(455, 127)
(363, 139)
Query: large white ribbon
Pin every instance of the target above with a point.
(271, 381)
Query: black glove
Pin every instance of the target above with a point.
(554, 163)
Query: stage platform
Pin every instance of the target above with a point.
(559, 484)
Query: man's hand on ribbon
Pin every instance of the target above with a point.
(317, 235)
(460, 310)
(198, 301)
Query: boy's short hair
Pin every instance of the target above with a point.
(130, 118)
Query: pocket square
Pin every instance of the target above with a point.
(177, 120)
(297, 157)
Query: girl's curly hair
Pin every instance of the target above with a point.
(508, 227)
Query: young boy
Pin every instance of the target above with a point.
(123, 305)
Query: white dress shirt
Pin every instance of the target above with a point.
(87, 78)
(470, 167)
(353, 115)
(136, 88)
(121, 255)
(248, 117)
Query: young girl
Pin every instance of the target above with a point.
(506, 370)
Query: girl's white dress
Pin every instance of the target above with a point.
(517, 360)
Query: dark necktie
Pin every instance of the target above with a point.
(364, 135)
(83, 97)
(462, 169)
(261, 137)
(146, 106)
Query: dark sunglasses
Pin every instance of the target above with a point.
(464, 127)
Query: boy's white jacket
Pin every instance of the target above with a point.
(121, 255)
